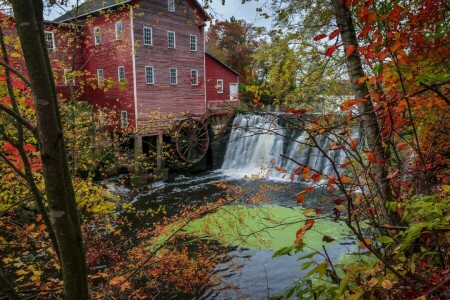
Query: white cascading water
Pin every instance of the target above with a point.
(258, 143)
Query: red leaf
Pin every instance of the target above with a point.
(319, 37)
(350, 50)
(298, 171)
(29, 147)
(301, 232)
(334, 34)
(346, 164)
(316, 177)
(330, 50)
(365, 31)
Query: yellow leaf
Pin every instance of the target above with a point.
(308, 211)
(387, 284)
(340, 207)
(372, 282)
(22, 272)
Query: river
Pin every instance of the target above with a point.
(256, 146)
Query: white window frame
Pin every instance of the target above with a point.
(151, 35)
(120, 70)
(170, 76)
(147, 77)
(194, 74)
(220, 83)
(119, 30)
(171, 5)
(168, 39)
(124, 118)
(67, 74)
(51, 35)
(100, 77)
(97, 36)
(193, 43)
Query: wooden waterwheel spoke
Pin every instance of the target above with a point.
(192, 140)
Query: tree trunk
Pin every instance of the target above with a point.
(369, 118)
(58, 184)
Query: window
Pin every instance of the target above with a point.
(148, 36)
(149, 75)
(121, 74)
(49, 40)
(233, 91)
(100, 78)
(124, 118)
(119, 30)
(171, 5)
(219, 86)
(171, 39)
(68, 77)
(193, 42)
(173, 76)
(97, 36)
(194, 77)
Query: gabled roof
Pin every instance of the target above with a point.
(93, 6)
(222, 63)
(89, 7)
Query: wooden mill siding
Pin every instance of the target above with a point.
(162, 96)
(216, 70)
(108, 56)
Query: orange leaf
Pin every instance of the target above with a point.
(301, 232)
(300, 198)
(309, 189)
(117, 280)
(402, 145)
(361, 244)
(354, 143)
(348, 103)
(350, 50)
(371, 156)
(361, 80)
(372, 80)
(319, 37)
(371, 17)
(334, 34)
(345, 179)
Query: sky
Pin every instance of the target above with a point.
(232, 8)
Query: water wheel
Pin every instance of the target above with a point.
(191, 140)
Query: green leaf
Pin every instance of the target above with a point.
(385, 239)
(306, 265)
(319, 269)
(309, 255)
(283, 251)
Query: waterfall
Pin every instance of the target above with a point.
(258, 143)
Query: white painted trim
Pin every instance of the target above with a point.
(221, 85)
(133, 56)
(204, 69)
(151, 35)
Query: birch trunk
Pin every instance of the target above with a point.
(369, 118)
(58, 184)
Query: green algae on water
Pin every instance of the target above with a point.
(264, 227)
